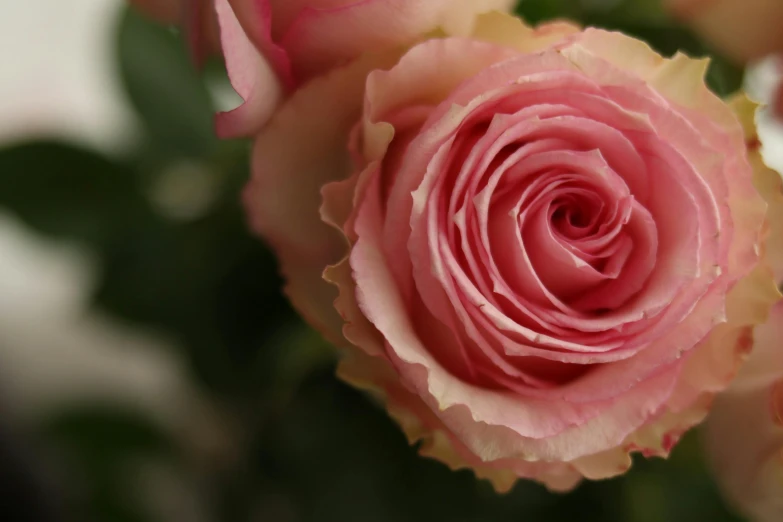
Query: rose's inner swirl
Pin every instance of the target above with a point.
(542, 229)
(562, 271)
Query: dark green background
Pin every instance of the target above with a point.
(301, 445)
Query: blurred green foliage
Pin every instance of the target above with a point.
(303, 446)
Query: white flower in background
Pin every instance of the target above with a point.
(762, 81)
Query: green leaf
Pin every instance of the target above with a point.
(70, 192)
(165, 88)
(537, 11)
(97, 445)
(29, 492)
(618, 11)
(105, 434)
(206, 281)
(723, 77)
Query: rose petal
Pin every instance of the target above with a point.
(251, 75)
(284, 195)
(320, 38)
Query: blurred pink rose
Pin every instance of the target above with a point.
(551, 250)
(295, 40)
(745, 30)
(745, 429)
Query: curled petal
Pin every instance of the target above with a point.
(251, 76)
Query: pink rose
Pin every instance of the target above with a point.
(550, 247)
(272, 46)
(745, 429)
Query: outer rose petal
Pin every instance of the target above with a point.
(769, 184)
(743, 29)
(284, 194)
(509, 31)
(321, 38)
(745, 429)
